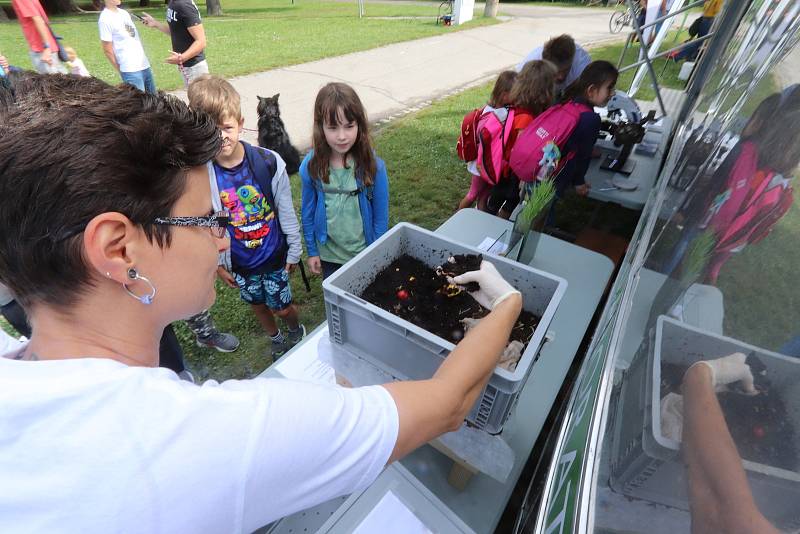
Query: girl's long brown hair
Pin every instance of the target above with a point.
(333, 97)
(534, 90)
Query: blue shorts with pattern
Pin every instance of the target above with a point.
(270, 288)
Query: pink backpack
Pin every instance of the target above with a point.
(536, 155)
(493, 132)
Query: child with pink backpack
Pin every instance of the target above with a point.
(467, 146)
(558, 144)
(532, 93)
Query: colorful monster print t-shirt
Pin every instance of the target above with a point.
(257, 243)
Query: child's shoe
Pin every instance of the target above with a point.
(219, 340)
(279, 348)
(296, 335)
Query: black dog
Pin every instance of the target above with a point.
(272, 133)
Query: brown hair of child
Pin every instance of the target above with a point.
(216, 96)
(501, 94)
(534, 89)
(337, 103)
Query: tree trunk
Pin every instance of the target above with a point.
(213, 8)
(3, 15)
(144, 3)
(53, 7)
(490, 10)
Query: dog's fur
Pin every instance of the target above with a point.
(272, 133)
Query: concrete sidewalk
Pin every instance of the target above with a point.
(393, 79)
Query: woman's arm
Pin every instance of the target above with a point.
(720, 496)
(429, 408)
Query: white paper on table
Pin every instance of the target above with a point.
(304, 363)
(493, 246)
(391, 516)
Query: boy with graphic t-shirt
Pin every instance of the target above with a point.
(123, 47)
(251, 183)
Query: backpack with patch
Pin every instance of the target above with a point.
(467, 145)
(493, 132)
(536, 154)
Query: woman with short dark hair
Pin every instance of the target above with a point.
(109, 236)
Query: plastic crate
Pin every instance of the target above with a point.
(408, 352)
(648, 465)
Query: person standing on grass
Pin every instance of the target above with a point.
(252, 185)
(43, 48)
(569, 58)
(185, 28)
(123, 47)
(345, 202)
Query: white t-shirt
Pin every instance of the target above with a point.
(116, 27)
(579, 62)
(92, 445)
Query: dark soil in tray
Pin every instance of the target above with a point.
(415, 292)
(758, 424)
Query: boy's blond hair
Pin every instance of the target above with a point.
(215, 96)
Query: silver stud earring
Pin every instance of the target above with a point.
(144, 299)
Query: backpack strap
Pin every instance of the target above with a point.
(264, 167)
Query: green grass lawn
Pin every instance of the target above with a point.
(252, 36)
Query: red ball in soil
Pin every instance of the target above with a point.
(758, 432)
(402, 294)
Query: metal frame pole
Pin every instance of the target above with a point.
(650, 69)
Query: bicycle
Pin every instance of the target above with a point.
(620, 19)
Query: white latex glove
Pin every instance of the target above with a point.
(494, 289)
(728, 370)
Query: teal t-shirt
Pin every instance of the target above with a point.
(345, 227)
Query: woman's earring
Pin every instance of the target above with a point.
(144, 299)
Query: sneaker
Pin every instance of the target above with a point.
(186, 375)
(280, 348)
(220, 341)
(295, 337)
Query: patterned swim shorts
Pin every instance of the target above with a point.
(270, 288)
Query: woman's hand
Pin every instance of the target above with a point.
(728, 370)
(290, 267)
(493, 288)
(314, 264)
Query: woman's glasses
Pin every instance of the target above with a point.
(217, 223)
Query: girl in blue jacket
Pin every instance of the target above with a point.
(345, 202)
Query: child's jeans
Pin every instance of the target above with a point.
(328, 268)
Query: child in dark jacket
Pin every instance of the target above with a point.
(595, 87)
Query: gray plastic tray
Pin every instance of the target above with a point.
(408, 352)
(432, 512)
(648, 465)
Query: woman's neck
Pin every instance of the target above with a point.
(96, 332)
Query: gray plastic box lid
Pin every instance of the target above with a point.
(658, 473)
(432, 512)
(408, 352)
